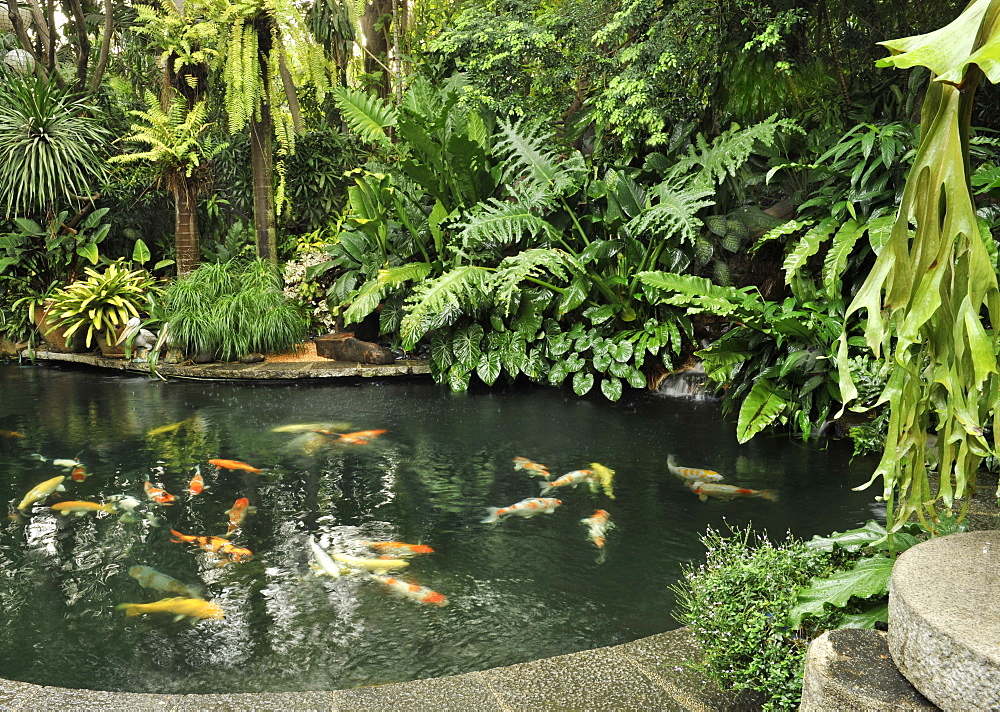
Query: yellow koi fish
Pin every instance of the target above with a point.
(150, 578)
(692, 473)
(399, 548)
(80, 508)
(41, 491)
(370, 564)
(524, 508)
(704, 490)
(306, 427)
(179, 607)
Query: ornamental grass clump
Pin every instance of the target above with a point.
(736, 603)
(231, 309)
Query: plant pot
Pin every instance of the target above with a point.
(55, 337)
(108, 344)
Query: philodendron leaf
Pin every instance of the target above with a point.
(867, 618)
(583, 381)
(611, 387)
(489, 367)
(761, 407)
(869, 577)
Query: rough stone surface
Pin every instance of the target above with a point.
(944, 619)
(851, 669)
(460, 693)
(344, 347)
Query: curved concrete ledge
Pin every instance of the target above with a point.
(264, 371)
(646, 674)
(944, 619)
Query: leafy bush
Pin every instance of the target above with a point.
(231, 309)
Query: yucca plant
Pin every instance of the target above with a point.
(232, 309)
(100, 302)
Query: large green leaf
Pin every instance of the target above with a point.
(869, 577)
(366, 114)
(807, 247)
(762, 406)
(867, 618)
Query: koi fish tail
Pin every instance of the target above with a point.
(545, 489)
(769, 495)
(492, 516)
(131, 609)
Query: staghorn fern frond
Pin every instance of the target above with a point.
(496, 224)
(533, 164)
(673, 214)
(506, 282)
(374, 291)
(367, 115)
(710, 164)
(440, 301)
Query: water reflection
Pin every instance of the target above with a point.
(518, 590)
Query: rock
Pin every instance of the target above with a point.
(851, 669)
(252, 358)
(944, 619)
(203, 357)
(344, 347)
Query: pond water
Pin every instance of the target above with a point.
(520, 589)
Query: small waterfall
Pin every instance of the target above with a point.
(689, 382)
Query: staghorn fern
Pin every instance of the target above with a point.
(440, 301)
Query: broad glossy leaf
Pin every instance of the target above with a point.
(458, 377)
(583, 381)
(489, 367)
(611, 387)
(867, 618)
(762, 406)
(869, 577)
(140, 252)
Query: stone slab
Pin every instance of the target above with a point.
(944, 619)
(593, 680)
(851, 669)
(459, 693)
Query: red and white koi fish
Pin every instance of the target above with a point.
(239, 511)
(421, 594)
(221, 464)
(158, 495)
(534, 468)
(197, 485)
(361, 437)
(524, 508)
(598, 523)
(41, 491)
(570, 479)
(692, 473)
(80, 508)
(398, 548)
(79, 473)
(704, 490)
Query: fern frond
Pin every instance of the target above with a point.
(836, 257)
(374, 291)
(532, 163)
(711, 163)
(699, 295)
(367, 115)
(506, 282)
(440, 301)
(496, 224)
(807, 247)
(673, 214)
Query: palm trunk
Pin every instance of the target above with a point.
(262, 154)
(186, 226)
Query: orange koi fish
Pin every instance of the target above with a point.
(598, 523)
(692, 473)
(704, 490)
(362, 437)
(10, 434)
(238, 513)
(79, 473)
(523, 463)
(524, 508)
(213, 544)
(158, 495)
(197, 485)
(398, 548)
(421, 594)
(570, 479)
(233, 465)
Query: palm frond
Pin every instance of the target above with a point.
(440, 301)
(367, 115)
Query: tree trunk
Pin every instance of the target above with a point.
(186, 226)
(375, 27)
(262, 155)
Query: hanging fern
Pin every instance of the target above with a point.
(807, 247)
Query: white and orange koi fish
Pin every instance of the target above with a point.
(421, 594)
(598, 523)
(570, 479)
(398, 548)
(535, 468)
(524, 508)
(690, 474)
(704, 490)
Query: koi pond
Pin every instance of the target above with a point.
(517, 589)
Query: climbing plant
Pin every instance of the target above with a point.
(932, 299)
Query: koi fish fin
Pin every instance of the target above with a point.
(546, 488)
(702, 497)
(131, 609)
(769, 495)
(60, 488)
(178, 619)
(492, 516)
